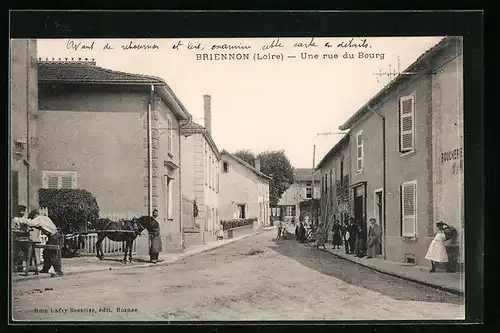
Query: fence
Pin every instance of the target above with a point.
(87, 247)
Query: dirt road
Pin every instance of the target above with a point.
(253, 279)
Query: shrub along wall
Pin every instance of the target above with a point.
(236, 223)
(70, 209)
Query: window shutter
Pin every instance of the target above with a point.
(359, 152)
(169, 137)
(66, 182)
(408, 209)
(52, 181)
(407, 123)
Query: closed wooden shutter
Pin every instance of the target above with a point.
(359, 151)
(169, 135)
(59, 179)
(407, 123)
(409, 209)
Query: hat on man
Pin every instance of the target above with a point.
(440, 223)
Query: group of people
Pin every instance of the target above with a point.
(41, 224)
(353, 236)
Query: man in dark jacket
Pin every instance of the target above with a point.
(353, 232)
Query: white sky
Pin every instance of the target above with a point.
(261, 105)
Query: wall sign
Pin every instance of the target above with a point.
(452, 155)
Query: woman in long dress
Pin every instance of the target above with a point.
(336, 235)
(437, 249)
(155, 245)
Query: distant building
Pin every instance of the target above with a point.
(200, 177)
(25, 175)
(116, 135)
(244, 190)
(295, 202)
(333, 171)
(423, 113)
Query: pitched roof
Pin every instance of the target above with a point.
(332, 151)
(416, 66)
(245, 164)
(302, 175)
(86, 72)
(194, 128)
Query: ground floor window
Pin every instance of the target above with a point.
(409, 209)
(290, 210)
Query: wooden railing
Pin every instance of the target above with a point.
(88, 246)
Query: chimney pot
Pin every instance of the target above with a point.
(257, 164)
(207, 106)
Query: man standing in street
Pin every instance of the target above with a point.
(353, 232)
(374, 238)
(48, 228)
(280, 227)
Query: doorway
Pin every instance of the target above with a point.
(359, 204)
(379, 214)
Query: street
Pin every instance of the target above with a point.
(257, 278)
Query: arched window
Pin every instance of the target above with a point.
(225, 167)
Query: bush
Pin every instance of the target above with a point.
(70, 209)
(231, 224)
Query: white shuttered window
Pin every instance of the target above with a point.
(59, 179)
(407, 124)
(359, 151)
(409, 209)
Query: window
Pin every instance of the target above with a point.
(359, 152)
(407, 124)
(290, 210)
(331, 180)
(217, 171)
(309, 191)
(169, 135)
(242, 212)
(59, 179)
(409, 209)
(169, 198)
(206, 166)
(225, 167)
(213, 174)
(210, 171)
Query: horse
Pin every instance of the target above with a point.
(121, 231)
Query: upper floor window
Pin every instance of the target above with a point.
(309, 191)
(407, 124)
(225, 167)
(359, 152)
(59, 179)
(169, 135)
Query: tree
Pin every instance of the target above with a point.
(246, 155)
(276, 165)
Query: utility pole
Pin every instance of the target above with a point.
(312, 183)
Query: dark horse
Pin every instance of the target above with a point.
(121, 231)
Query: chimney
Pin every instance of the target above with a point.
(257, 164)
(207, 106)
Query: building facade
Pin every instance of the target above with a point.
(200, 176)
(116, 135)
(244, 190)
(448, 139)
(294, 201)
(25, 176)
(407, 106)
(334, 172)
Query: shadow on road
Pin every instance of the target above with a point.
(360, 276)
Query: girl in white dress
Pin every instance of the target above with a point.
(437, 249)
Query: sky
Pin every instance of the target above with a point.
(269, 101)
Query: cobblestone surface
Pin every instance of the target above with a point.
(253, 279)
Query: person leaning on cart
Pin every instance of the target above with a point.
(48, 228)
